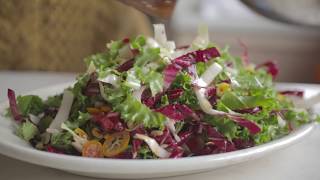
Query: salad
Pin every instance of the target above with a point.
(145, 98)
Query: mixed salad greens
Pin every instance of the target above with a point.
(146, 99)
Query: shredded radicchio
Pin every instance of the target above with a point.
(224, 145)
(270, 67)
(126, 65)
(253, 110)
(170, 73)
(136, 143)
(174, 93)
(13, 106)
(245, 54)
(109, 122)
(165, 138)
(176, 153)
(149, 100)
(184, 61)
(92, 88)
(293, 93)
(243, 144)
(211, 93)
(126, 40)
(54, 150)
(251, 126)
(177, 112)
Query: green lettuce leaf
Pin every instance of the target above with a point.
(148, 55)
(81, 120)
(44, 123)
(30, 104)
(224, 125)
(27, 130)
(54, 101)
(201, 68)
(138, 42)
(154, 80)
(232, 101)
(132, 110)
(132, 80)
(61, 140)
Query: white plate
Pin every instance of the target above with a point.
(12, 146)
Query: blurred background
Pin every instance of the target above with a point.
(55, 35)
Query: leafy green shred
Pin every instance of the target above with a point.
(101, 60)
(188, 97)
(80, 100)
(297, 117)
(44, 123)
(78, 87)
(164, 100)
(154, 80)
(61, 140)
(146, 153)
(226, 57)
(132, 80)
(232, 101)
(54, 101)
(81, 120)
(30, 104)
(27, 130)
(132, 110)
(148, 55)
(201, 68)
(138, 42)
(224, 125)
(317, 118)
(105, 59)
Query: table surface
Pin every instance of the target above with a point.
(300, 161)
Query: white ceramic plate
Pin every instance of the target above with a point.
(13, 146)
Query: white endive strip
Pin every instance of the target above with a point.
(63, 112)
(132, 80)
(102, 92)
(111, 79)
(202, 40)
(208, 76)
(34, 119)
(167, 47)
(282, 123)
(160, 34)
(205, 104)
(125, 54)
(92, 68)
(78, 141)
(153, 145)
(170, 125)
(152, 43)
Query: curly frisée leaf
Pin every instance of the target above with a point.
(155, 81)
(149, 54)
(134, 112)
